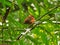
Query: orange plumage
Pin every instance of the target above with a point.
(29, 20)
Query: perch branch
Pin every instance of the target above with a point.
(34, 25)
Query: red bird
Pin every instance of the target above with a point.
(29, 20)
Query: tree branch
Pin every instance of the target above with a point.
(35, 24)
(6, 14)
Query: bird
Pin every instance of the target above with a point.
(29, 20)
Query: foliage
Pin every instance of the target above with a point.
(46, 29)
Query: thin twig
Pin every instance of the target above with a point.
(38, 23)
(48, 12)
